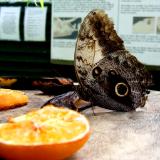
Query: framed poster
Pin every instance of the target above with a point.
(136, 21)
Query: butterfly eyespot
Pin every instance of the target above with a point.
(112, 72)
(96, 71)
(121, 89)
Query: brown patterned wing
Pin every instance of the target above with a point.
(108, 74)
(96, 39)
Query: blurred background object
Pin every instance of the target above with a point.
(33, 46)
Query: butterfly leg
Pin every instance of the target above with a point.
(70, 100)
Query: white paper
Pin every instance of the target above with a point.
(137, 22)
(66, 20)
(35, 23)
(10, 23)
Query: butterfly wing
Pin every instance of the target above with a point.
(96, 38)
(107, 72)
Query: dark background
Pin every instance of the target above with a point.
(22, 58)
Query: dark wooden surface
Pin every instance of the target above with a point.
(115, 135)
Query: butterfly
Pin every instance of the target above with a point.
(109, 75)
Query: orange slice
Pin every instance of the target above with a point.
(12, 98)
(45, 134)
(7, 82)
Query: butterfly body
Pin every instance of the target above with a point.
(108, 75)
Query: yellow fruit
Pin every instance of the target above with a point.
(50, 133)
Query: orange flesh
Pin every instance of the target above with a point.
(44, 126)
(12, 98)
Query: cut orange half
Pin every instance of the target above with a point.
(45, 134)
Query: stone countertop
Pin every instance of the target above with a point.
(115, 135)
